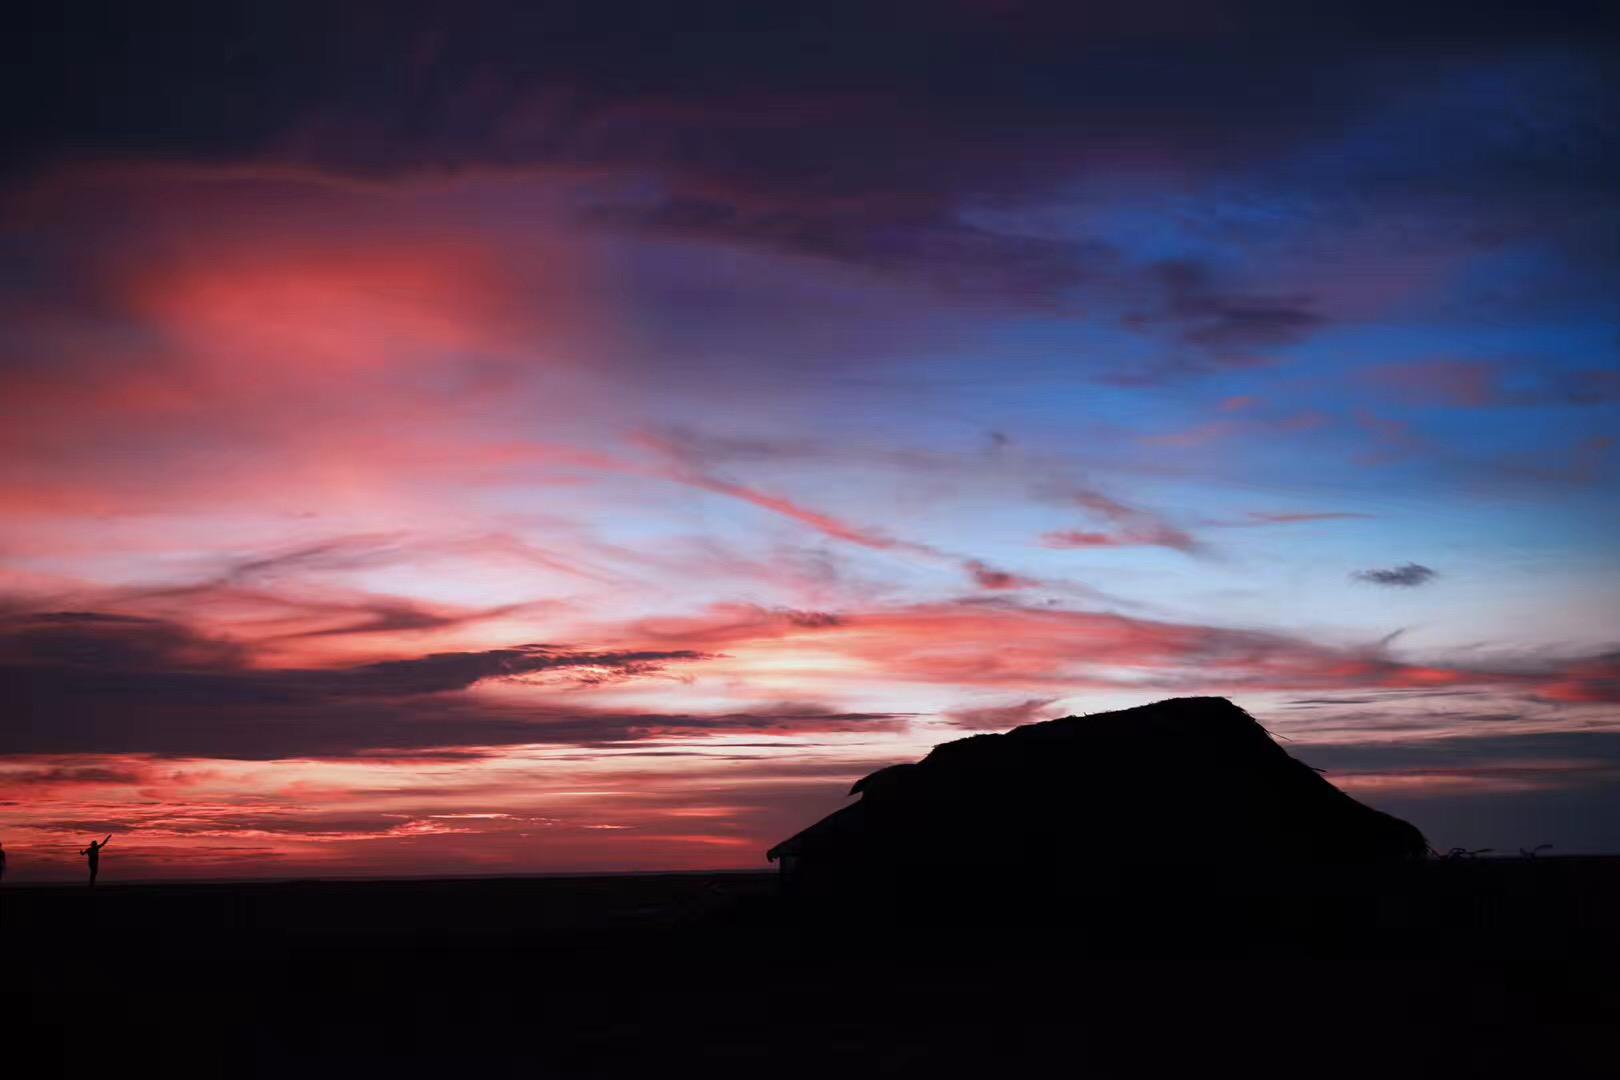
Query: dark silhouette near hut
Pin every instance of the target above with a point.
(1183, 783)
(93, 853)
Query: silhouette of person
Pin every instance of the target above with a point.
(93, 853)
(2, 862)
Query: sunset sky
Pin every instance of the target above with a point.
(489, 438)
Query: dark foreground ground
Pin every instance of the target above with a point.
(1463, 969)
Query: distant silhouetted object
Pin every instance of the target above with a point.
(93, 853)
(1464, 853)
(1189, 781)
(2, 862)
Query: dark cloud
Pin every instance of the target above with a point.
(1504, 791)
(930, 244)
(423, 730)
(1406, 575)
(155, 653)
(76, 774)
(867, 135)
(1228, 329)
(85, 683)
(420, 731)
(1583, 819)
(94, 640)
(1566, 755)
(813, 619)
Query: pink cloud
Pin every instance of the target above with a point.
(1133, 527)
(1002, 717)
(776, 504)
(1223, 429)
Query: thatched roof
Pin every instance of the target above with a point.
(1187, 778)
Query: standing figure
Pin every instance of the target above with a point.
(93, 853)
(2, 862)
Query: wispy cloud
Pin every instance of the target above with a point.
(1131, 526)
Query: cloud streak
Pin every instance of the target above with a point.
(1130, 527)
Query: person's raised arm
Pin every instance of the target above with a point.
(104, 842)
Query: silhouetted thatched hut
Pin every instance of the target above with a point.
(1184, 781)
